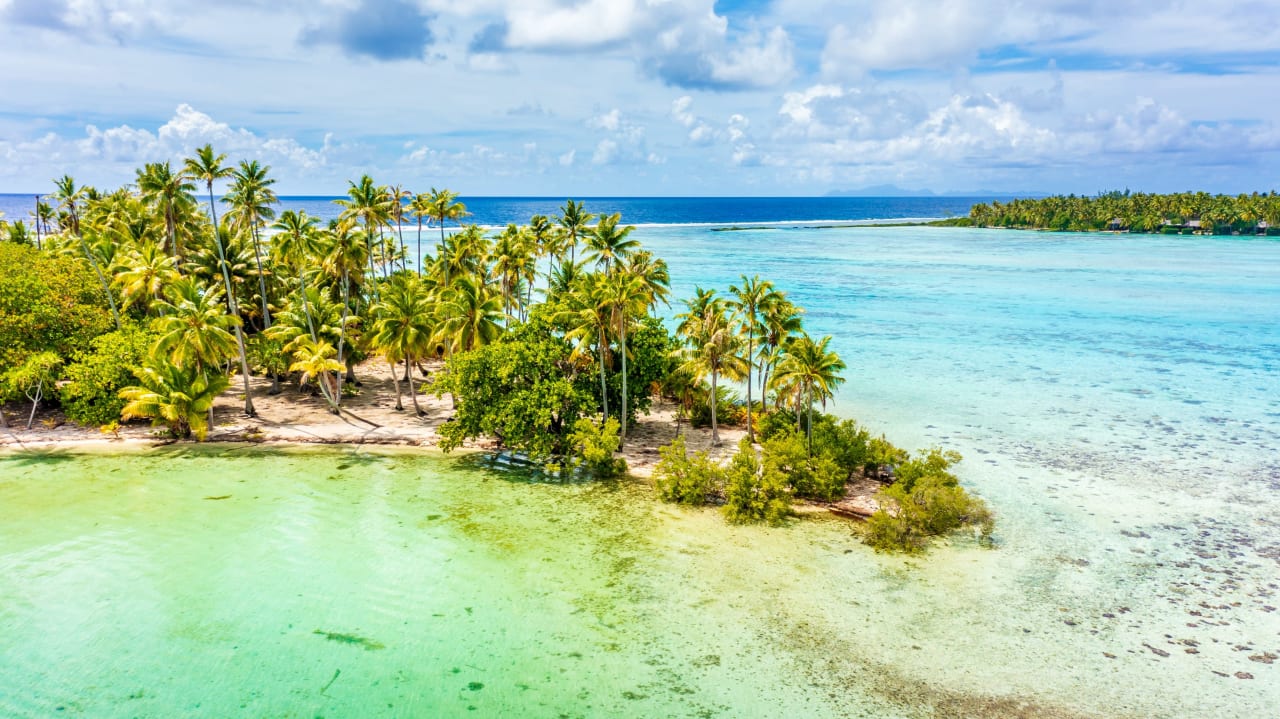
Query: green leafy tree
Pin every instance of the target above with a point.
(594, 445)
(47, 303)
(91, 396)
(522, 390)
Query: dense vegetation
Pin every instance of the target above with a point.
(144, 303)
(1182, 213)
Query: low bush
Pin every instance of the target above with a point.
(95, 377)
(594, 446)
(752, 492)
(685, 479)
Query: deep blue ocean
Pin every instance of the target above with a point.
(497, 211)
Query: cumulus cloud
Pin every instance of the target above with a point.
(684, 43)
(377, 29)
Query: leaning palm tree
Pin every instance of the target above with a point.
(170, 393)
(781, 320)
(403, 328)
(68, 195)
(251, 198)
(712, 348)
(315, 360)
(746, 303)
(811, 369)
(207, 167)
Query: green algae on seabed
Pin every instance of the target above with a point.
(368, 644)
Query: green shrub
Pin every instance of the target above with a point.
(728, 412)
(813, 477)
(683, 479)
(774, 421)
(753, 493)
(91, 397)
(594, 446)
(926, 501)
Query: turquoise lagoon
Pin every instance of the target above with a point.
(1115, 398)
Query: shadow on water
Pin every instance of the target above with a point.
(516, 468)
(38, 457)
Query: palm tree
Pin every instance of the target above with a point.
(314, 359)
(420, 205)
(344, 258)
(148, 270)
(589, 316)
(395, 208)
(609, 244)
(574, 220)
(193, 326)
(251, 198)
(469, 315)
(628, 296)
(811, 368)
(208, 167)
(443, 205)
(782, 320)
(295, 244)
(68, 195)
(173, 394)
(712, 347)
(402, 328)
(747, 302)
(367, 203)
(169, 193)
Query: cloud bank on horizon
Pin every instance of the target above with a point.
(651, 97)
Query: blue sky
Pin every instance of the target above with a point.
(650, 97)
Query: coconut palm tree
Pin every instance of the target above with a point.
(367, 203)
(420, 206)
(251, 198)
(747, 301)
(609, 245)
(781, 320)
(193, 327)
(628, 297)
(587, 313)
(811, 368)
(712, 348)
(147, 271)
(295, 244)
(207, 167)
(574, 221)
(68, 195)
(403, 328)
(443, 205)
(470, 315)
(169, 193)
(315, 360)
(173, 394)
(345, 253)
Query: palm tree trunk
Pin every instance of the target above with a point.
(413, 393)
(622, 437)
(249, 409)
(342, 329)
(262, 280)
(418, 264)
(751, 431)
(715, 430)
(395, 378)
(101, 281)
(604, 396)
(809, 429)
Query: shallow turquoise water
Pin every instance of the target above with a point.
(1115, 398)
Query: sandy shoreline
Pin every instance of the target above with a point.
(295, 418)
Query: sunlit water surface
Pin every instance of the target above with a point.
(1115, 399)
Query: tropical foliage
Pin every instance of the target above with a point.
(1180, 213)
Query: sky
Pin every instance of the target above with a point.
(650, 97)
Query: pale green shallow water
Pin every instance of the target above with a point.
(125, 591)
